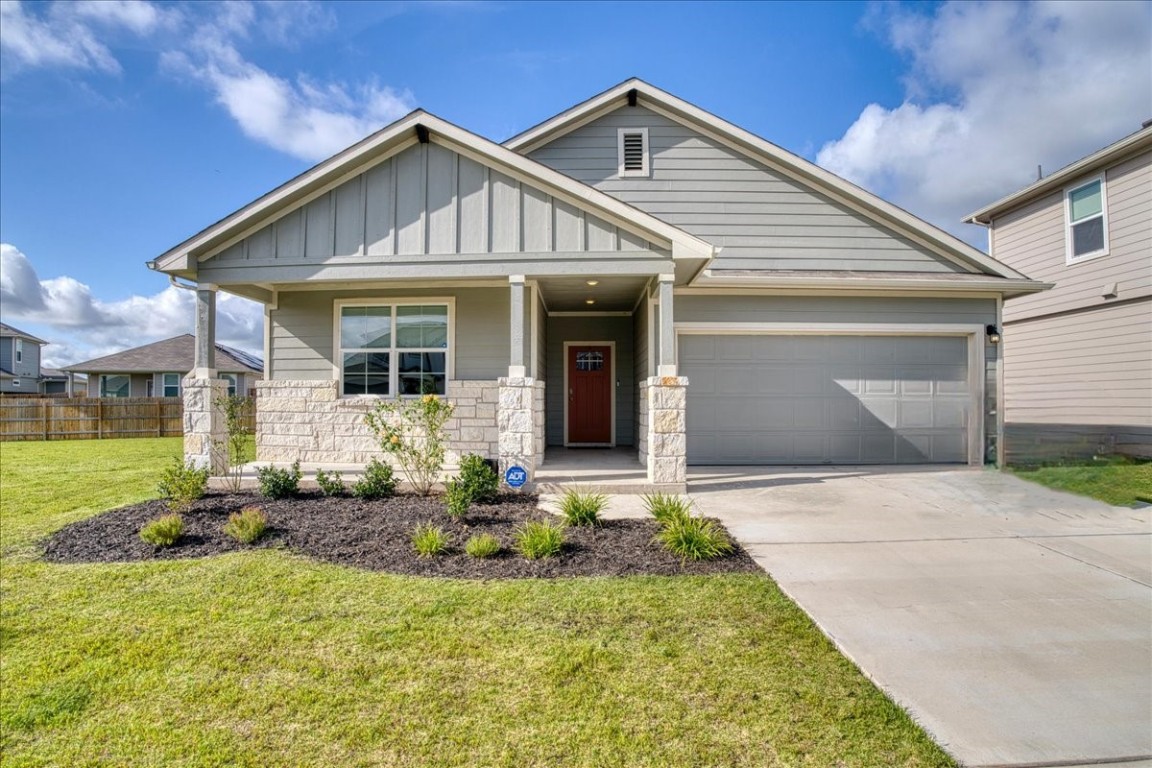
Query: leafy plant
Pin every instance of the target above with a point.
(377, 482)
(582, 507)
(482, 545)
(247, 525)
(667, 508)
(276, 483)
(694, 538)
(456, 499)
(238, 445)
(330, 484)
(479, 480)
(163, 531)
(182, 483)
(429, 540)
(537, 539)
(412, 431)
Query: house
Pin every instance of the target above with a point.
(20, 370)
(158, 369)
(1078, 358)
(632, 272)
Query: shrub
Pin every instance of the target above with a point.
(330, 484)
(181, 484)
(482, 545)
(377, 482)
(694, 538)
(582, 507)
(247, 525)
(479, 479)
(238, 447)
(163, 531)
(667, 508)
(456, 499)
(413, 432)
(429, 540)
(279, 483)
(538, 539)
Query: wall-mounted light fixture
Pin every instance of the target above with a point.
(592, 282)
(589, 301)
(993, 334)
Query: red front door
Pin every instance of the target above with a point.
(590, 394)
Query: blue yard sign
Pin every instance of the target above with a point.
(516, 476)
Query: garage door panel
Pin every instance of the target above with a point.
(756, 399)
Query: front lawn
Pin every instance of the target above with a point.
(265, 658)
(1116, 481)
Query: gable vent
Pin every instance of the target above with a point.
(633, 151)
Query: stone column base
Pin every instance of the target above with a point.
(663, 443)
(520, 423)
(205, 432)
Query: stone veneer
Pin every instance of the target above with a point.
(521, 424)
(205, 433)
(663, 444)
(307, 420)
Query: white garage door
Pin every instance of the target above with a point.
(767, 399)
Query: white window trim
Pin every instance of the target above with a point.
(164, 385)
(646, 168)
(15, 382)
(233, 382)
(1069, 257)
(393, 370)
(19, 351)
(104, 388)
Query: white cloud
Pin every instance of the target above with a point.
(82, 326)
(994, 90)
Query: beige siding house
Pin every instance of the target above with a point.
(634, 272)
(1078, 358)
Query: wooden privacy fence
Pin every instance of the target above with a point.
(91, 418)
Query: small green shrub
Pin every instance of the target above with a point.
(478, 479)
(377, 482)
(279, 483)
(694, 538)
(181, 484)
(247, 525)
(330, 484)
(429, 540)
(538, 539)
(163, 531)
(667, 508)
(412, 430)
(456, 499)
(482, 545)
(582, 507)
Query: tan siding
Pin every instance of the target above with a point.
(1090, 367)
(1032, 239)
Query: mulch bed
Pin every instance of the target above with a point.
(376, 535)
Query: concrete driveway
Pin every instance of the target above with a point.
(1013, 622)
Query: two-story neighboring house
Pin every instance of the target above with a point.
(1078, 358)
(19, 361)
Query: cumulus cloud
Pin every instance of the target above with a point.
(81, 326)
(994, 90)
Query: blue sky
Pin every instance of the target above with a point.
(125, 127)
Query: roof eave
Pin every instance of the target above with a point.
(1006, 286)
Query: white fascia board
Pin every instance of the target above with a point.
(1001, 285)
(858, 199)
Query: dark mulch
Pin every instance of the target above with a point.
(377, 535)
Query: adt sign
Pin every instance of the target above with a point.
(515, 476)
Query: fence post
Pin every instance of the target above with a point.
(44, 417)
(100, 419)
(159, 420)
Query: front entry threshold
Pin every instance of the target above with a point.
(598, 470)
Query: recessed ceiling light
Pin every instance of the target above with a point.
(589, 301)
(593, 282)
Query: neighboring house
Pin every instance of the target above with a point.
(1078, 358)
(19, 362)
(158, 369)
(53, 381)
(632, 272)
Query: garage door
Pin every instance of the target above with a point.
(768, 399)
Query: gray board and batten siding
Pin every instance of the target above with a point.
(29, 365)
(592, 328)
(761, 218)
(427, 201)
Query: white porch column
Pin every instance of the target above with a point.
(666, 364)
(204, 366)
(519, 415)
(205, 435)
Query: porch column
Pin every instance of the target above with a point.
(205, 435)
(517, 360)
(666, 364)
(663, 406)
(520, 414)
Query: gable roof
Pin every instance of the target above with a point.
(7, 330)
(170, 355)
(780, 160)
(1129, 145)
(416, 127)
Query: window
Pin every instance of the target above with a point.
(589, 361)
(115, 385)
(148, 388)
(632, 149)
(1087, 221)
(171, 385)
(231, 379)
(396, 348)
(19, 351)
(16, 383)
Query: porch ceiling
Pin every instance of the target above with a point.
(617, 293)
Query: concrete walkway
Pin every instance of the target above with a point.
(1013, 622)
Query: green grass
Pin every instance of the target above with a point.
(1115, 481)
(264, 658)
